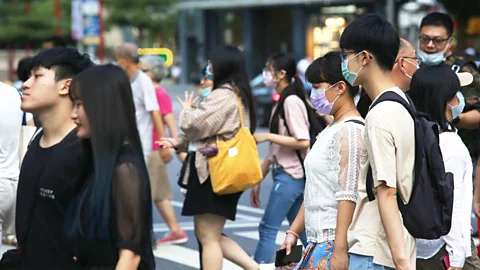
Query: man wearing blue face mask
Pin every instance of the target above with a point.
(377, 237)
(436, 30)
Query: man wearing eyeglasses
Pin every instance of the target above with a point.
(406, 64)
(436, 30)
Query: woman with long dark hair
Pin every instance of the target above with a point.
(218, 115)
(110, 222)
(435, 90)
(289, 139)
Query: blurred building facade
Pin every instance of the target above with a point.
(306, 28)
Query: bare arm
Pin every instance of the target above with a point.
(470, 120)
(390, 215)
(171, 125)
(476, 194)
(289, 142)
(265, 166)
(344, 219)
(158, 123)
(298, 224)
(128, 260)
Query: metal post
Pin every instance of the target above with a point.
(390, 11)
(183, 34)
(298, 35)
(58, 14)
(101, 45)
(248, 40)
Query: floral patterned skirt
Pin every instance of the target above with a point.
(316, 256)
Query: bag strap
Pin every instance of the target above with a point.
(240, 111)
(410, 107)
(297, 152)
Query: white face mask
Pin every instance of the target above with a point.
(411, 64)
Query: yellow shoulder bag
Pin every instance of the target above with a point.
(236, 167)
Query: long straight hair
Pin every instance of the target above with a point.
(282, 61)
(229, 68)
(107, 98)
(431, 89)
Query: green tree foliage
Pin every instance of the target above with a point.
(153, 18)
(32, 20)
(462, 11)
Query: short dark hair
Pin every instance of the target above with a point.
(431, 89)
(24, 68)
(439, 19)
(57, 41)
(66, 62)
(374, 34)
(328, 69)
(229, 68)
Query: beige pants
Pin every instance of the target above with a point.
(159, 182)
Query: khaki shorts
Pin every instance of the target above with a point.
(159, 182)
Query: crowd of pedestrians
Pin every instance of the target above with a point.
(374, 170)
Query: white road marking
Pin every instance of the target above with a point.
(4, 248)
(186, 256)
(254, 236)
(188, 226)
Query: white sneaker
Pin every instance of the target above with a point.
(263, 266)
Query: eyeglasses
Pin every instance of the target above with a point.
(437, 41)
(418, 60)
(343, 55)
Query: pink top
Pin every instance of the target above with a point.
(165, 104)
(297, 120)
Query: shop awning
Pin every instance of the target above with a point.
(227, 4)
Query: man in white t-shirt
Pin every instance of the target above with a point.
(377, 237)
(145, 99)
(10, 126)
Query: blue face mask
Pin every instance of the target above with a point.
(432, 59)
(205, 92)
(208, 74)
(349, 76)
(457, 110)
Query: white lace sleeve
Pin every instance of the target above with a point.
(351, 147)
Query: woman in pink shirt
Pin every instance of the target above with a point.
(155, 68)
(289, 140)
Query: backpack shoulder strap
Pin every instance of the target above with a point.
(388, 96)
(38, 131)
(356, 122)
(297, 152)
(392, 96)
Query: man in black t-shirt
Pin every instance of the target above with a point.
(50, 169)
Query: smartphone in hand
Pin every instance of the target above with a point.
(282, 259)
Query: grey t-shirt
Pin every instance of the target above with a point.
(145, 102)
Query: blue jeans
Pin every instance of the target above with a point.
(360, 262)
(285, 200)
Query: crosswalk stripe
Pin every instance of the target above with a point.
(254, 236)
(186, 256)
(4, 248)
(188, 226)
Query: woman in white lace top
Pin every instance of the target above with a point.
(332, 168)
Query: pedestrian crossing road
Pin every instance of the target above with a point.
(184, 257)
